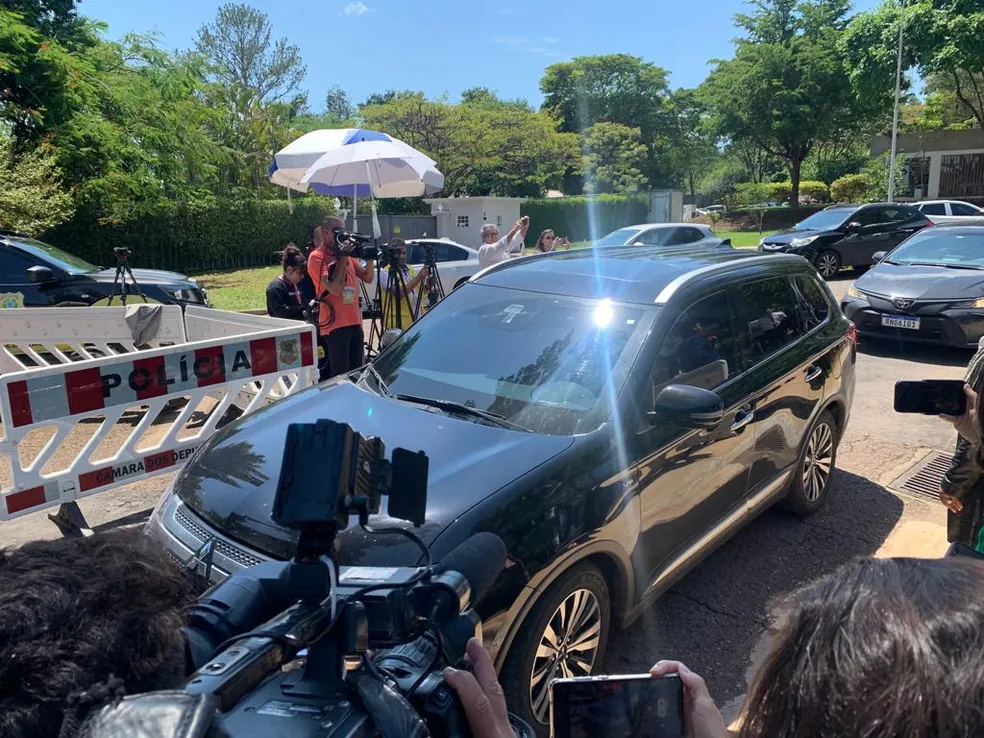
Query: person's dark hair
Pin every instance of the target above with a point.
(293, 258)
(82, 620)
(881, 648)
(539, 241)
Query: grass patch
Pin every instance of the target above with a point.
(744, 239)
(239, 289)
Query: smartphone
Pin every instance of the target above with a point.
(931, 397)
(634, 706)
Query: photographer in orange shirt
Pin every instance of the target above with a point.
(336, 277)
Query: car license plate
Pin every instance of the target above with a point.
(900, 321)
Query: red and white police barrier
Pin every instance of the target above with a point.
(246, 362)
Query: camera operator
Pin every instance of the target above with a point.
(82, 621)
(408, 288)
(493, 251)
(283, 295)
(336, 276)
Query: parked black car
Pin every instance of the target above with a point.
(36, 274)
(612, 414)
(847, 235)
(930, 289)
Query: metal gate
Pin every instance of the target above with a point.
(406, 227)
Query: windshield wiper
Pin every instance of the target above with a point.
(944, 266)
(456, 407)
(380, 384)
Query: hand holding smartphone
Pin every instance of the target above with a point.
(634, 706)
(931, 397)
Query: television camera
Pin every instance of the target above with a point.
(283, 648)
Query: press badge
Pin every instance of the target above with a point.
(321, 353)
(348, 295)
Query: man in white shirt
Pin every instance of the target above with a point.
(495, 249)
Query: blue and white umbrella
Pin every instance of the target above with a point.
(355, 162)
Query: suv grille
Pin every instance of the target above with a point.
(233, 553)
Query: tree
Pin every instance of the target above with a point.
(501, 150)
(243, 59)
(944, 42)
(614, 157)
(32, 199)
(689, 145)
(337, 105)
(483, 97)
(616, 88)
(788, 86)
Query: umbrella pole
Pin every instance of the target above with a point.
(355, 208)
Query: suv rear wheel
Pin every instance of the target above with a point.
(565, 635)
(809, 486)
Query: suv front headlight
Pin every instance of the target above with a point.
(800, 242)
(854, 292)
(977, 304)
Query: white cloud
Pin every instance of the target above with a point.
(550, 40)
(356, 8)
(527, 45)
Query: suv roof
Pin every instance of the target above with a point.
(640, 274)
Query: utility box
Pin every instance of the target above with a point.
(665, 206)
(461, 218)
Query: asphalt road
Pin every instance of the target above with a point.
(716, 617)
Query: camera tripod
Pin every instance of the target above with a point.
(124, 272)
(388, 304)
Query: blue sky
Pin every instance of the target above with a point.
(446, 46)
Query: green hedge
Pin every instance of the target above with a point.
(584, 218)
(196, 237)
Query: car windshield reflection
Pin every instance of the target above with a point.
(946, 248)
(548, 363)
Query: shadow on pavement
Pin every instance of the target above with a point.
(890, 349)
(714, 617)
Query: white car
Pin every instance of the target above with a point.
(455, 263)
(678, 235)
(953, 208)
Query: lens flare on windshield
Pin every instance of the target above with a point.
(603, 313)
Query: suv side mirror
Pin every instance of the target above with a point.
(854, 227)
(690, 407)
(878, 256)
(38, 274)
(389, 337)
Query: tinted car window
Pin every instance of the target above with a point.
(415, 253)
(935, 208)
(655, 236)
(456, 254)
(701, 347)
(771, 320)
(13, 266)
(813, 303)
(960, 208)
(684, 235)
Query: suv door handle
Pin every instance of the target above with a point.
(813, 372)
(743, 418)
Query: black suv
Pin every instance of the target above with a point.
(36, 274)
(847, 235)
(612, 414)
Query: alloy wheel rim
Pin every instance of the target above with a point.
(828, 265)
(567, 648)
(818, 462)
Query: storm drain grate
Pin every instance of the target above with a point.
(923, 480)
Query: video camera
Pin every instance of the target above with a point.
(247, 637)
(363, 244)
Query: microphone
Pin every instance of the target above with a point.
(479, 559)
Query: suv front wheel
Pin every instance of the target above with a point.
(811, 480)
(565, 635)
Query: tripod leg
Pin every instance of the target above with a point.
(71, 521)
(129, 273)
(116, 284)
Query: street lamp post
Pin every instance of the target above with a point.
(895, 114)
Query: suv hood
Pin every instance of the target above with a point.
(148, 276)
(785, 237)
(922, 282)
(231, 482)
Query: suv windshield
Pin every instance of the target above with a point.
(550, 364)
(939, 246)
(52, 254)
(823, 220)
(618, 238)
